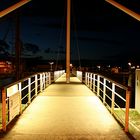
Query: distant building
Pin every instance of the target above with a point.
(6, 67)
(115, 70)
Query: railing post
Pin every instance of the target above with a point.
(91, 80)
(98, 85)
(104, 91)
(49, 78)
(40, 82)
(4, 109)
(81, 76)
(128, 92)
(29, 90)
(86, 78)
(19, 88)
(43, 81)
(36, 85)
(113, 98)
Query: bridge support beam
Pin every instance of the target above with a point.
(128, 92)
(124, 9)
(68, 41)
(3, 110)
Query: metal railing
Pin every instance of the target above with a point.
(57, 74)
(17, 96)
(112, 94)
(79, 75)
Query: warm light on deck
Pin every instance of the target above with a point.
(13, 7)
(124, 9)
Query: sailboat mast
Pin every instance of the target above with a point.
(68, 21)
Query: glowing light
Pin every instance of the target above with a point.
(70, 65)
(51, 63)
(124, 9)
(129, 64)
(98, 67)
(13, 7)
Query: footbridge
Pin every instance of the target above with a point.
(40, 107)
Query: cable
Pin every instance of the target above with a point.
(76, 34)
(60, 39)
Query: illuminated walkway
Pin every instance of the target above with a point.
(66, 112)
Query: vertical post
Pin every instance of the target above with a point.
(81, 76)
(36, 85)
(47, 79)
(91, 83)
(29, 90)
(127, 110)
(49, 76)
(86, 78)
(20, 98)
(98, 85)
(40, 82)
(4, 109)
(43, 78)
(68, 41)
(104, 91)
(113, 98)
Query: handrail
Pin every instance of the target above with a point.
(79, 75)
(108, 90)
(57, 74)
(21, 93)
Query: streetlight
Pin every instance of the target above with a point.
(51, 63)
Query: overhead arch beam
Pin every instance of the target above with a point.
(13, 7)
(124, 9)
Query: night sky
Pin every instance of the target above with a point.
(98, 30)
